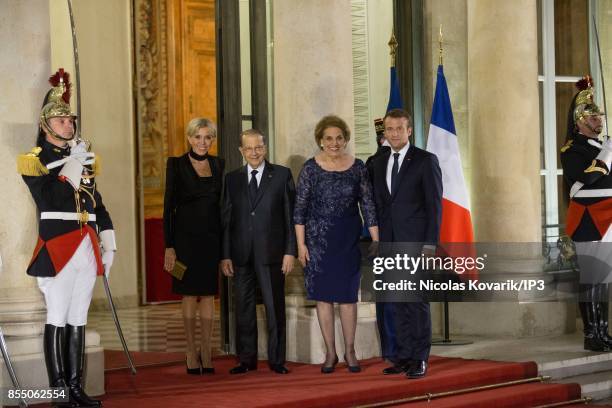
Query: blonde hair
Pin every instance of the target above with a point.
(196, 124)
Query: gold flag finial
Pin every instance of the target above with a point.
(440, 44)
(393, 46)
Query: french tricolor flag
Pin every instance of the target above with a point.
(442, 141)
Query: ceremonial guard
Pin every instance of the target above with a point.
(76, 240)
(586, 159)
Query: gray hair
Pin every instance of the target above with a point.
(252, 132)
(196, 124)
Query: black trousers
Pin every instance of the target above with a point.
(272, 284)
(412, 330)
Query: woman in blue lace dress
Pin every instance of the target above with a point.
(330, 188)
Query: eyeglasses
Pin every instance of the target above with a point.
(257, 149)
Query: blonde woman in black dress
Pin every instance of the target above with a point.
(192, 231)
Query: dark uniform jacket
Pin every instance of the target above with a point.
(590, 210)
(59, 239)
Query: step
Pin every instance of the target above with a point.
(596, 385)
(592, 363)
(524, 395)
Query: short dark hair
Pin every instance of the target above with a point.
(399, 113)
(331, 121)
(251, 132)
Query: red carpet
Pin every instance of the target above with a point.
(164, 384)
(169, 386)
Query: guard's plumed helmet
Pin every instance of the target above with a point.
(584, 104)
(57, 103)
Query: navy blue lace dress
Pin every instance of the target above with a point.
(327, 204)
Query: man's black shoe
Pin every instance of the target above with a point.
(397, 368)
(243, 368)
(279, 369)
(417, 370)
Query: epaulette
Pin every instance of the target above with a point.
(96, 167)
(567, 145)
(29, 164)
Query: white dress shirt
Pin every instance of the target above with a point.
(259, 174)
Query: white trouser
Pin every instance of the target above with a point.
(69, 293)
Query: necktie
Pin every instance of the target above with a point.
(394, 172)
(253, 186)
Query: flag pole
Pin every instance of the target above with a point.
(392, 48)
(446, 340)
(440, 44)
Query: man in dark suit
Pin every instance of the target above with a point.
(384, 310)
(258, 244)
(408, 193)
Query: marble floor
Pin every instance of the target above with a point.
(148, 328)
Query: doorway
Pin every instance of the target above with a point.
(190, 62)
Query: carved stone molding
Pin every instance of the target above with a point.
(152, 98)
(361, 90)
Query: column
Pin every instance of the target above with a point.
(503, 105)
(313, 77)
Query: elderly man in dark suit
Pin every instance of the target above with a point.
(258, 245)
(408, 193)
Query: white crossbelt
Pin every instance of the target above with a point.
(66, 216)
(600, 192)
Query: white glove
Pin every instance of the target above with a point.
(107, 260)
(72, 171)
(80, 153)
(107, 239)
(605, 155)
(109, 246)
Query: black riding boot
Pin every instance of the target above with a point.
(589, 314)
(602, 309)
(53, 348)
(75, 353)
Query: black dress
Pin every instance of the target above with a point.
(192, 223)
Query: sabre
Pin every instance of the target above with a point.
(117, 325)
(77, 71)
(603, 87)
(9, 367)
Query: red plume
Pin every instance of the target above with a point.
(584, 83)
(64, 77)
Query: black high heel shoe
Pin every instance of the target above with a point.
(192, 371)
(352, 368)
(330, 369)
(206, 370)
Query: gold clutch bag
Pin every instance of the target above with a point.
(179, 270)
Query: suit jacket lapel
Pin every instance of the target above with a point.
(404, 167)
(243, 184)
(266, 177)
